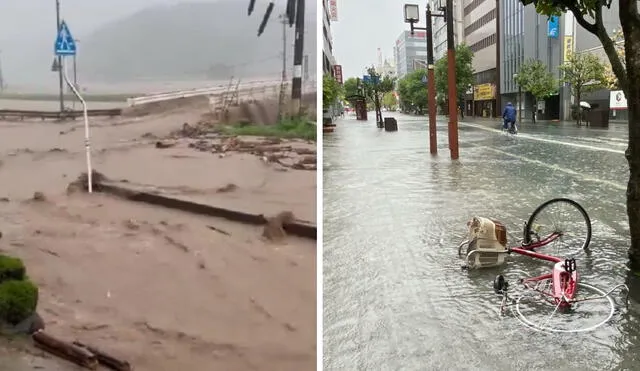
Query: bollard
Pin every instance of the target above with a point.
(390, 124)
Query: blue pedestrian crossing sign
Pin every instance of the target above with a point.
(65, 45)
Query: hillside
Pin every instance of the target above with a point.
(190, 40)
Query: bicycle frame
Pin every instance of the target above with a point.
(564, 276)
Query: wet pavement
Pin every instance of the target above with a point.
(395, 296)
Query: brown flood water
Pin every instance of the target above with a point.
(159, 287)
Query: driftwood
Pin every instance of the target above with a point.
(105, 359)
(71, 352)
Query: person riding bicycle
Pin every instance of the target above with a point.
(509, 117)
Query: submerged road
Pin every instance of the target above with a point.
(395, 297)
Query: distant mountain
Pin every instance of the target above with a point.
(191, 40)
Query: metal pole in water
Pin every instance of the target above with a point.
(87, 142)
(59, 59)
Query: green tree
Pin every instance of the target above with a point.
(534, 77)
(351, 87)
(588, 15)
(464, 73)
(413, 92)
(389, 101)
(376, 86)
(584, 73)
(331, 90)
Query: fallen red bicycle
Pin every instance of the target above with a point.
(559, 222)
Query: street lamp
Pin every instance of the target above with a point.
(412, 16)
(515, 78)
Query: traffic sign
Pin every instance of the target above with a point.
(55, 66)
(65, 45)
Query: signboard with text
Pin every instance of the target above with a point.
(484, 92)
(568, 47)
(337, 73)
(553, 27)
(333, 10)
(617, 100)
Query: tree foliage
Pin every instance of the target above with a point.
(535, 77)
(610, 79)
(351, 87)
(331, 90)
(584, 73)
(413, 92)
(464, 72)
(389, 101)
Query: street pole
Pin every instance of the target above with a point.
(284, 47)
(298, 52)
(453, 101)
(431, 87)
(519, 104)
(1, 78)
(60, 79)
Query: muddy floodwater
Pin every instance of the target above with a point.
(395, 297)
(163, 289)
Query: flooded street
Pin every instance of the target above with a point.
(160, 288)
(395, 296)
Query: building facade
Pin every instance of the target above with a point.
(527, 35)
(410, 52)
(481, 35)
(328, 60)
(586, 42)
(440, 28)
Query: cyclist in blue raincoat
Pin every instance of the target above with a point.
(509, 117)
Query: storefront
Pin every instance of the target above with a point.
(484, 100)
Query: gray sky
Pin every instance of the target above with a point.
(362, 27)
(28, 29)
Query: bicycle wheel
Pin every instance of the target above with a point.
(591, 310)
(563, 216)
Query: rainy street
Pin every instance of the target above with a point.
(395, 296)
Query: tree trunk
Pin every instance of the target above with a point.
(632, 47)
(579, 122)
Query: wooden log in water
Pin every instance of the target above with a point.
(68, 351)
(105, 359)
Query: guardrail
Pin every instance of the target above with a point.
(43, 115)
(214, 90)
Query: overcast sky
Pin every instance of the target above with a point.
(362, 27)
(27, 29)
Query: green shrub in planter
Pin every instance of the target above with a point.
(11, 268)
(18, 300)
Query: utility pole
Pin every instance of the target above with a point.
(281, 98)
(1, 78)
(298, 52)
(431, 85)
(453, 94)
(60, 79)
(283, 20)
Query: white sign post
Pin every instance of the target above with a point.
(65, 46)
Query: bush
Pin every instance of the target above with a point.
(11, 269)
(18, 300)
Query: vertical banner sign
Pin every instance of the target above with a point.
(568, 47)
(337, 73)
(333, 10)
(553, 27)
